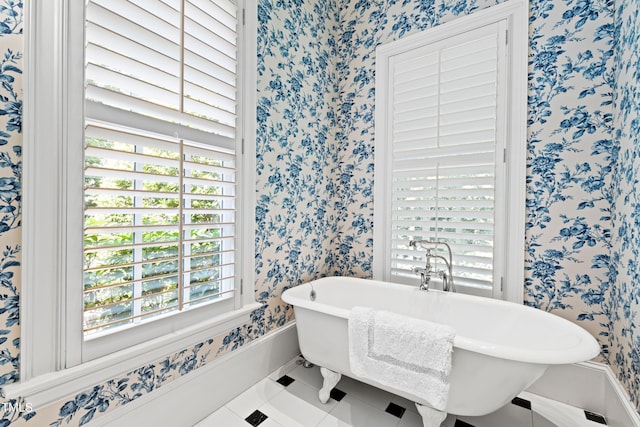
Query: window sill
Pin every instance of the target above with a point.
(52, 387)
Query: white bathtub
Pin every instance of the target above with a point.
(500, 347)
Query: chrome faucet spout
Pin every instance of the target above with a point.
(425, 277)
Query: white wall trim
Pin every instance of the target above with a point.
(51, 387)
(192, 397)
(591, 386)
(248, 170)
(616, 392)
(41, 342)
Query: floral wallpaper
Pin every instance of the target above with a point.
(296, 149)
(623, 295)
(570, 155)
(11, 68)
(314, 151)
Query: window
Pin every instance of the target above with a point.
(444, 138)
(159, 231)
(160, 211)
(137, 197)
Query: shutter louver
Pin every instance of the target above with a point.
(160, 161)
(444, 103)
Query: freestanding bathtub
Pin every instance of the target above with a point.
(500, 347)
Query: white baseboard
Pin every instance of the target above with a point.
(191, 398)
(591, 386)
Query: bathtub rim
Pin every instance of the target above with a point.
(586, 349)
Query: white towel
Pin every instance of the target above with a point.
(408, 354)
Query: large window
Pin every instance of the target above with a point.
(137, 198)
(160, 159)
(444, 150)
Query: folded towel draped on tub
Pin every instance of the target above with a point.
(405, 353)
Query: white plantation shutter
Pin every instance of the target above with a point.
(168, 60)
(446, 146)
(160, 160)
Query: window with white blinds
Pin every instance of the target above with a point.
(445, 144)
(160, 159)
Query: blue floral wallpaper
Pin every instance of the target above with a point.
(623, 295)
(570, 155)
(296, 148)
(314, 151)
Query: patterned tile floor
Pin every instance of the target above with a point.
(289, 398)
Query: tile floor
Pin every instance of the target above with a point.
(289, 398)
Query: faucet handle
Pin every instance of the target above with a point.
(424, 273)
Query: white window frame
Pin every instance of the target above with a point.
(52, 365)
(512, 265)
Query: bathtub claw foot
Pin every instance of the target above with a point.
(430, 417)
(330, 380)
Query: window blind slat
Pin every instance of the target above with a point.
(229, 8)
(226, 156)
(421, 65)
(208, 74)
(110, 154)
(223, 12)
(211, 38)
(415, 208)
(458, 81)
(452, 160)
(108, 18)
(434, 153)
(469, 103)
(402, 249)
(416, 135)
(215, 55)
(214, 21)
(472, 51)
(410, 93)
(197, 107)
(101, 172)
(134, 68)
(105, 39)
(428, 172)
(466, 126)
(226, 225)
(408, 109)
(228, 242)
(445, 221)
(168, 10)
(132, 88)
(211, 98)
(421, 121)
(469, 65)
(132, 139)
(155, 18)
(422, 86)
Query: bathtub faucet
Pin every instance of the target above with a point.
(425, 273)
